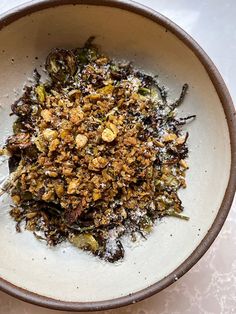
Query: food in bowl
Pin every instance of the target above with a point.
(97, 153)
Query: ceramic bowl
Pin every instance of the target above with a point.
(64, 277)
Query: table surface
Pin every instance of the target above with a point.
(210, 286)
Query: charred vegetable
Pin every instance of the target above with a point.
(97, 153)
(61, 65)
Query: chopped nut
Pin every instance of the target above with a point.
(16, 198)
(108, 135)
(52, 174)
(117, 165)
(67, 171)
(72, 186)
(48, 196)
(40, 144)
(98, 163)
(76, 115)
(165, 169)
(49, 134)
(169, 137)
(96, 195)
(61, 103)
(69, 104)
(112, 127)
(130, 141)
(53, 145)
(87, 107)
(106, 176)
(81, 140)
(59, 188)
(46, 115)
(66, 136)
(64, 133)
(130, 160)
(183, 163)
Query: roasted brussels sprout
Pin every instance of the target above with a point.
(61, 65)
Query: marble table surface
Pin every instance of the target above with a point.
(210, 286)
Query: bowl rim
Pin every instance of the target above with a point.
(229, 110)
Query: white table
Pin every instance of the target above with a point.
(210, 286)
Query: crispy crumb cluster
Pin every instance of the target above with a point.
(97, 153)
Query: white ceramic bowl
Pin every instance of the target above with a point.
(64, 277)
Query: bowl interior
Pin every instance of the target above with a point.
(65, 273)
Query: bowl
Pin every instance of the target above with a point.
(68, 279)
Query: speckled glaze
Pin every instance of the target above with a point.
(74, 280)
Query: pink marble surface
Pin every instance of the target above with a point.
(210, 286)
